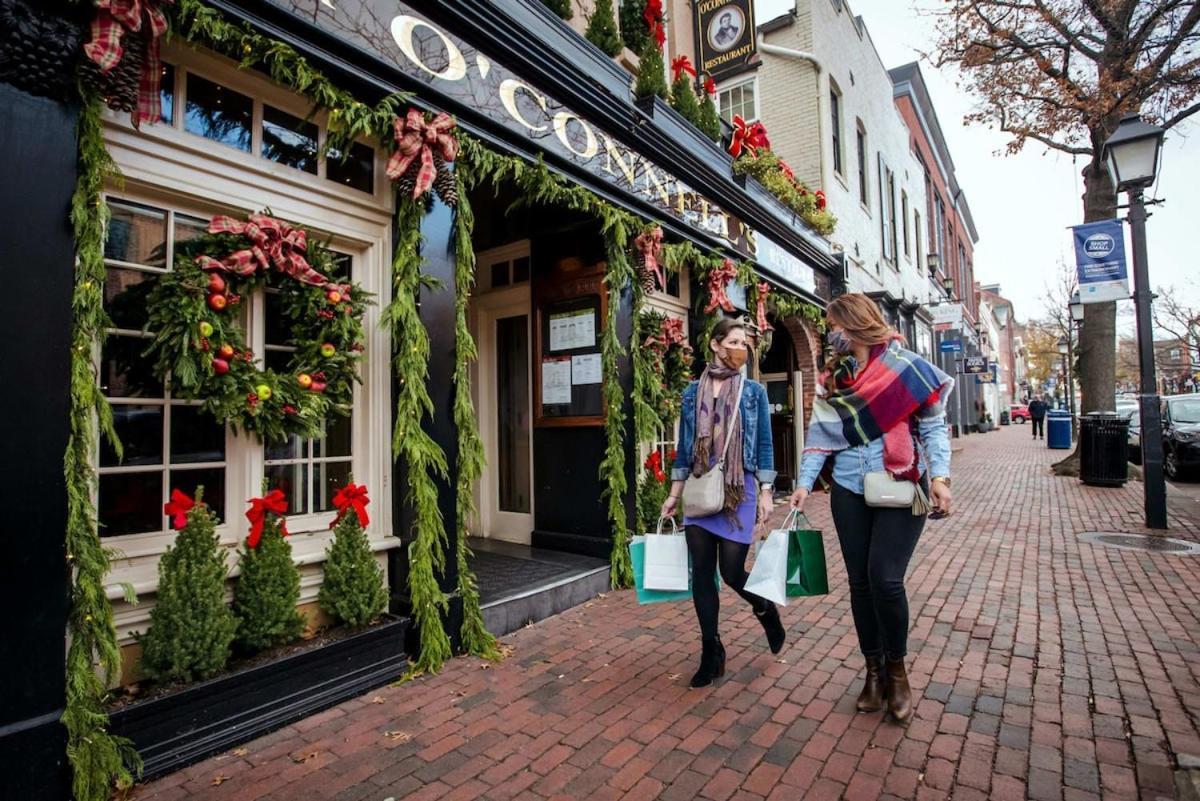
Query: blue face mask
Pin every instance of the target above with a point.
(840, 343)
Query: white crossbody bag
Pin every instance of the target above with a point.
(705, 495)
(881, 490)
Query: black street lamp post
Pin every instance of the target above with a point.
(1132, 153)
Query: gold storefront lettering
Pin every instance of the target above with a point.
(508, 96)
(403, 27)
(560, 127)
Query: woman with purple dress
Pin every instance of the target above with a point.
(723, 539)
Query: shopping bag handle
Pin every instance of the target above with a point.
(795, 517)
(674, 526)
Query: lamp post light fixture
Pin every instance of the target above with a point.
(948, 285)
(1132, 154)
(1076, 308)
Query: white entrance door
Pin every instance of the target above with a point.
(504, 403)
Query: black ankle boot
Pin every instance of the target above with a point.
(772, 625)
(712, 663)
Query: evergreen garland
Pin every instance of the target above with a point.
(651, 76)
(191, 628)
(633, 24)
(602, 28)
(424, 460)
(352, 591)
(476, 639)
(766, 168)
(98, 759)
(268, 589)
(684, 100)
(710, 118)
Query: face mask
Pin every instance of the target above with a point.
(840, 343)
(734, 358)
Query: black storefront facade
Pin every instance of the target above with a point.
(516, 79)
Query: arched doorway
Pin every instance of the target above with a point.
(789, 370)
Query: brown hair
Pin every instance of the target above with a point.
(724, 327)
(861, 319)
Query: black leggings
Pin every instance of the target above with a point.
(1039, 425)
(704, 546)
(876, 546)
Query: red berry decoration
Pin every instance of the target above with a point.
(220, 366)
(217, 302)
(216, 284)
(226, 351)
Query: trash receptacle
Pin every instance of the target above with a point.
(1004, 418)
(1103, 442)
(1058, 429)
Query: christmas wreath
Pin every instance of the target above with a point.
(668, 358)
(200, 348)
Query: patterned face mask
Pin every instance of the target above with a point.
(840, 343)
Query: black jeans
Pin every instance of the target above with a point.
(876, 546)
(707, 550)
(1039, 425)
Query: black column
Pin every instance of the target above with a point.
(37, 160)
(436, 309)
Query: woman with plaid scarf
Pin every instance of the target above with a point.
(878, 410)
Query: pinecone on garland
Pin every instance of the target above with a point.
(647, 278)
(407, 182)
(445, 184)
(119, 86)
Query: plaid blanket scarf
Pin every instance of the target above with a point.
(877, 401)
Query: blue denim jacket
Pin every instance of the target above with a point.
(850, 465)
(758, 452)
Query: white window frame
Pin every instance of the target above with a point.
(739, 84)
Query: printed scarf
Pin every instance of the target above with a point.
(713, 417)
(877, 401)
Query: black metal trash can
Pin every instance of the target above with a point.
(1103, 444)
(1004, 418)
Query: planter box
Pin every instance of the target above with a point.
(673, 124)
(175, 730)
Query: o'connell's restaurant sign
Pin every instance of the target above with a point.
(459, 71)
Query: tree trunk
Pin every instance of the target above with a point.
(1098, 336)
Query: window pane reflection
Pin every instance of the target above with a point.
(289, 140)
(213, 481)
(218, 113)
(293, 480)
(136, 234)
(356, 171)
(130, 503)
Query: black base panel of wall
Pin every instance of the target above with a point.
(33, 760)
(203, 719)
(598, 547)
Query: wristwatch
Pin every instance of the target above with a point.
(943, 479)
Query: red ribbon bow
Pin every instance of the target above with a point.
(351, 496)
(649, 244)
(764, 289)
(752, 137)
(710, 85)
(680, 65)
(653, 13)
(274, 242)
(180, 504)
(274, 502)
(416, 138)
(787, 171)
(820, 196)
(669, 333)
(717, 280)
(115, 17)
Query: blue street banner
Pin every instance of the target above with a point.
(950, 346)
(1100, 261)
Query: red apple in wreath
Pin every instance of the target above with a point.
(226, 351)
(217, 302)
(333, 296)
(318, 386)
(220, 366)
(304, 380)
(216, 284)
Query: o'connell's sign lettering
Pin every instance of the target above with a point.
(459, 71)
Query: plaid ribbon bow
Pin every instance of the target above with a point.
(275, 502)
(750, 137)
(416, 138)
(670, 333)
(717, 280)
(274, 242)
(764, 289)
(680, 65)
(115, 17)
(351, 496)
(649, 244)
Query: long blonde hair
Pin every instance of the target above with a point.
(861, 318)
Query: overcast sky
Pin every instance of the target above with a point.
(1022, 204)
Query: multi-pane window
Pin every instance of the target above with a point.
(234, 119)
(860, 138)
(835, 125)
(920, 237)
(739, 101)
(168, 442)
(891, 214)
(904, 221)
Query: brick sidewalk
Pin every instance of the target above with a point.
(1045, 668)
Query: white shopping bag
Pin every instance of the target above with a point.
(768, 577)
(666, 560)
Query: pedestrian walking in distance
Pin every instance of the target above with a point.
(878, 434)
(711, 415)
(1037, 416)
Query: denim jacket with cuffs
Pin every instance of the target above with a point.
(758, 452)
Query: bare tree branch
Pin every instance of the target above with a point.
(1181, 116)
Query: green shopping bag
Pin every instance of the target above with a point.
(806, 558)
(637, 556)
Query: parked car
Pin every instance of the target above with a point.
(1018, 413)
(1181, 435)
(1135, 439)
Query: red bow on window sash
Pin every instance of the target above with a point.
(649, 244)
(115, 17)
(710, 86)
(717, 280)
(680, 65)
(275, 502)
(764, 289)
(351, 496)
(653, 12)
(177, 509)
(274, 242)
(752, 137)
(418, 139)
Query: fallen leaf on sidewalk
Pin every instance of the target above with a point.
(673, 677)
(302, 758)
(240, 752)
(377, 699)
(398, 736)
(219, 779)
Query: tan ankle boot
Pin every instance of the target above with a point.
(899, 694)
(871, 697)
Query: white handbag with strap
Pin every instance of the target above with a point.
(705, 495)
